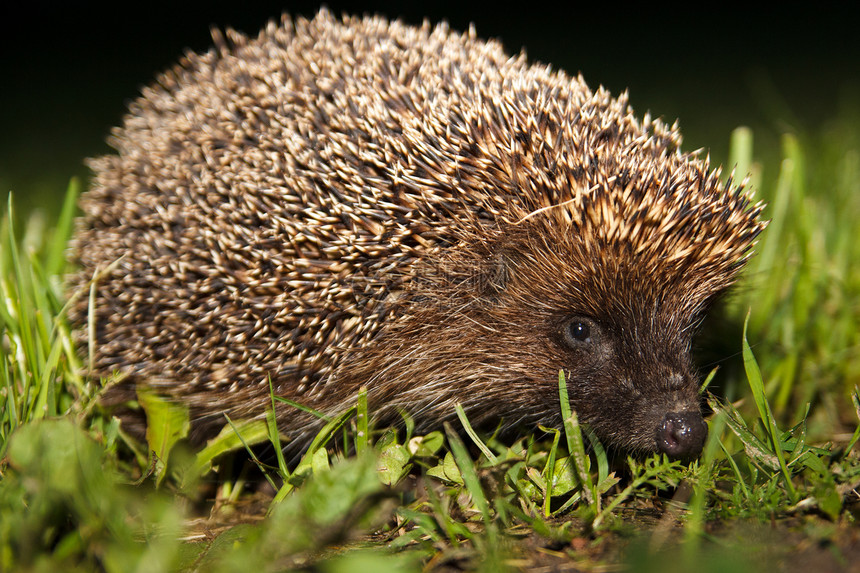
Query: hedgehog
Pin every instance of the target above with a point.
(346, 203)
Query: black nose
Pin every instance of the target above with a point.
(682, 434)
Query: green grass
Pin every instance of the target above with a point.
(76, 494)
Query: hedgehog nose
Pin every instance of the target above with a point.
(682, 434)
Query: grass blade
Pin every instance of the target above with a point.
(56, 257)
(757, 386)
(576, 446)
(461, 414)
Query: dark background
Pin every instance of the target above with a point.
(67, 72)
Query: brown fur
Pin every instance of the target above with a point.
(360, 202)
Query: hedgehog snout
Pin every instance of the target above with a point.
(682, 434)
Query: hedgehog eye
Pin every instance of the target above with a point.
(577, 331)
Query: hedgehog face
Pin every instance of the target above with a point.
(633, 383)
(619, 329)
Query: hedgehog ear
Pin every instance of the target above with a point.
(494, 274)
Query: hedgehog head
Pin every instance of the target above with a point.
(610, 287)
